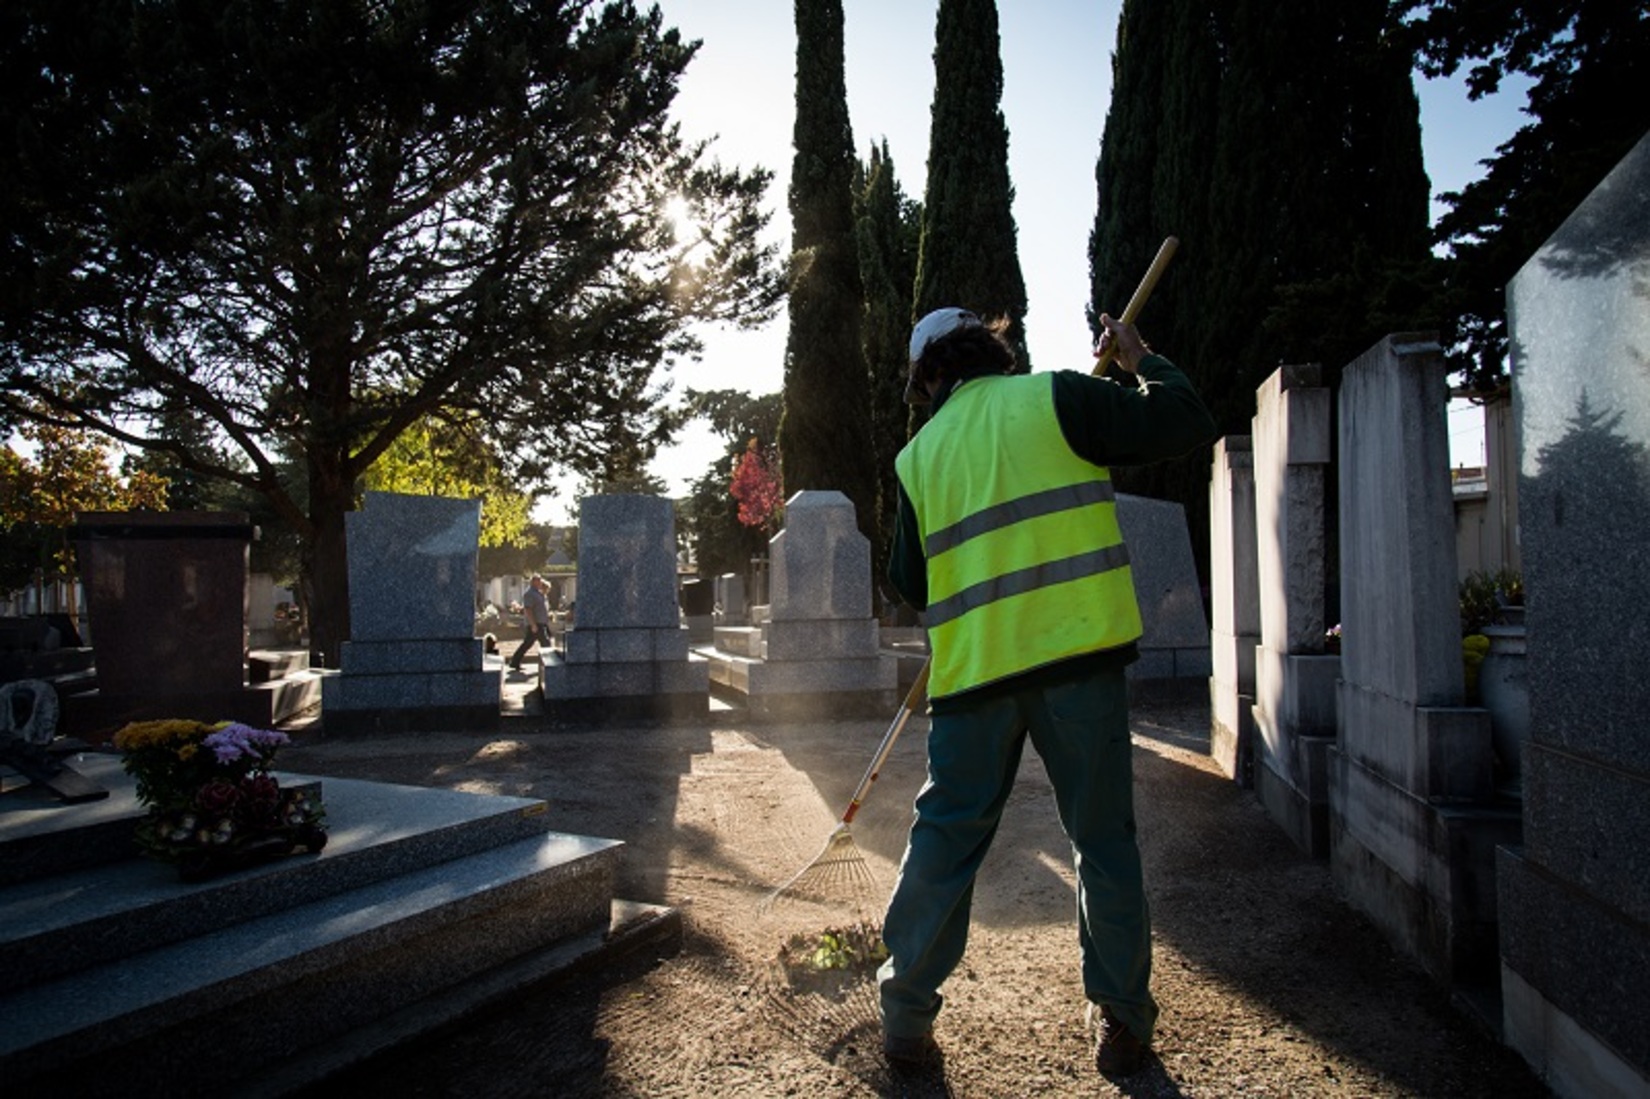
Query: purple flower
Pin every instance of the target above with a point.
(238, 741)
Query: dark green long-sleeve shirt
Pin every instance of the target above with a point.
(1104, 422)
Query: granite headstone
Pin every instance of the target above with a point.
(627, 653)
(413, 661)
(1575, 899)
(730, 600)
(166, 597)
(819, 648)
(1413, 808)
(1175, 644)
(627, 563)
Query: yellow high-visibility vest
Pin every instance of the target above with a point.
(1026, 565)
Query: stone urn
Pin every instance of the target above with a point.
(1504, 690)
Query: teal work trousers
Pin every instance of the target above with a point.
(1080, 728)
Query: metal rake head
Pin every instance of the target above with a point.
(837, 875)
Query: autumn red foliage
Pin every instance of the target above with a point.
(758, 488)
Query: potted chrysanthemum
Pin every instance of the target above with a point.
(213, 803)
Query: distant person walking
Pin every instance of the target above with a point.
(1007, 539)
(535, 621)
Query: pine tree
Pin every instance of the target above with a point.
(889, 227)
(825, 435)
(969, 256)
(316, 222)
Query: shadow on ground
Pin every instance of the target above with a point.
(1269, 983)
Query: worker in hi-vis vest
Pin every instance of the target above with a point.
(1007, 540)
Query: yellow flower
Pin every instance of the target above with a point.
(158, 734)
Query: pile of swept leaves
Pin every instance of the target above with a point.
(832, 960)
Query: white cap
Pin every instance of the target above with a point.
(941, 322)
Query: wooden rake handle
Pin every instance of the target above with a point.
(1165, 253)
(913, 698)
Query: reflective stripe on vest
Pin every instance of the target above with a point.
(1025, 562)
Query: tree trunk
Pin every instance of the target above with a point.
(331, 496)
(329, 581)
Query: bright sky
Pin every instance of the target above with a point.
(1056, 58)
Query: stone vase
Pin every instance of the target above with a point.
(1504, 690)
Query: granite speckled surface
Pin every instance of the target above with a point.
(1575, 907)
(627, 562)
(412, 567)
(412, 653)
(628, 647)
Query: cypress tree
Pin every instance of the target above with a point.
(1287, 157)
(889, 227)
(825, 434)
(1153, 181)
(1319, 204)
(1125, 231)
(968, 255)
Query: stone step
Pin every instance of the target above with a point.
(51, 925)
(197, 1016)
(745, 641)
(292, 694)
(266, 665)
(631, 929)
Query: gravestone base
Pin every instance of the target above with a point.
(410, 686)
(1572, 899)
(623, 709)
(1168, 675)
(784, 690)
(1295, 725)
(739, 640)
(1232, 732)
(626, 674)
(1422, 871)
(1561, 995)
(1440, 753)
(421, 719)
(1297, 797)
(814, 705)
(1231, 702)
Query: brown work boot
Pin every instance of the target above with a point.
(913, 1052)
(1117, 1050)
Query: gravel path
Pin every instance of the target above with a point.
(1270, 985)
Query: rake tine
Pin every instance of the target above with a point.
(839, 836)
